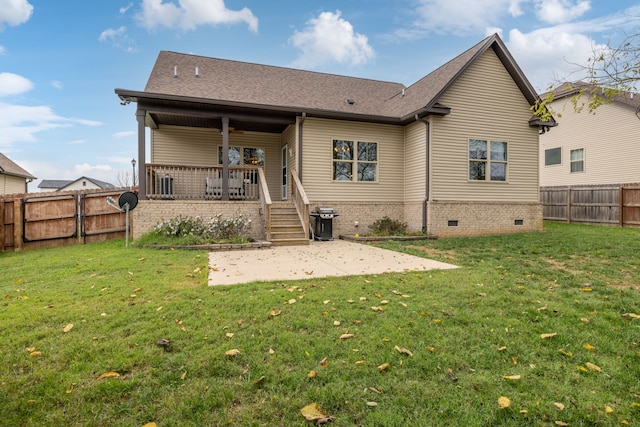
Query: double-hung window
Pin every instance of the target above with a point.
(487, 160)
(358, 165)
(577, 160)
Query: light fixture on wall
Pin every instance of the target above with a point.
(133, 176)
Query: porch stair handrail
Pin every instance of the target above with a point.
(265, 201)
(300, 201)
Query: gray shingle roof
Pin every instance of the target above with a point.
(263, 86)
(8, 167)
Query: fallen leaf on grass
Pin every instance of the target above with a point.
(593, 367)
(324, 363)
(565, 353)
(312, 374)
(631, 315)
(68, 328)
(402, 304)
(608, 409)
(228, 335)
(503, 402)
(546, 336)
(152, 424)
(403, 350)
(346, 336)
(589, 346)
(35, 354)
(108, 375)
(561, 423)
(559, 406)
(512, 377)
(383, 367)
(313, 412)
(31, 349)
(503, 348)
(184, 375)
(275, 313)
(372, 404)
(336, 323)
(431, 349)
(232, 352)
(292, 301)
(375, 390)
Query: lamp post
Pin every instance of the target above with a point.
(133, 177)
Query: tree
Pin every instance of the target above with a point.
(608, 72)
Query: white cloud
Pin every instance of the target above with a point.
(14, 12)
(118, 38)
(3, 51)
(77, 142)
(549, 55)
(22, 123)
(189, 14)
(462, 16)
(124, 134)
(57, 84)
(124, 9)
(329, 38)
(14, 84)
(561, 11)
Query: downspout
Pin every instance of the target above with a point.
(427, 170)
(300, 123)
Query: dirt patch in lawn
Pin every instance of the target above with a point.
(559, 265)
(436, 253)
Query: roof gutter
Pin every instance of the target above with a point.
(427, 160)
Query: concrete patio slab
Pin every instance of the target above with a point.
(318, 259)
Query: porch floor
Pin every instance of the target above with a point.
(318, 259)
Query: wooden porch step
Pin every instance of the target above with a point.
(286, 229)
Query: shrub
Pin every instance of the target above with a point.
(386, 226)
(185, 230)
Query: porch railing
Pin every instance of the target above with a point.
(300, 201)
(265, 202)
(184, 182)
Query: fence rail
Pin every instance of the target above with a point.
(43, 220)
(608, 205)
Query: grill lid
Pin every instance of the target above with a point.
(324, 210)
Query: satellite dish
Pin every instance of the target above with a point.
(128, 198)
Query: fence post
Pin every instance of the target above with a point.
(18, 218)
(2, 225)
(569, 205)
(621, 206)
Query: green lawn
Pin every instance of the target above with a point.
(548, 320)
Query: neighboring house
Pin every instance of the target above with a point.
(596, 148)
(13, 179)
(456, 153)
(82, 183)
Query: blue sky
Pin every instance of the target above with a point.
(60, 61)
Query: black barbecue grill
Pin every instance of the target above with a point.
(323, 229)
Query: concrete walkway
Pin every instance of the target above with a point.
(319, 259)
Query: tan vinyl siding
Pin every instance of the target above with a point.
(199, 147)
(611, 142)
(318, 136)
(485, 104)
(416, 168)
(288, 139)
(12, 184)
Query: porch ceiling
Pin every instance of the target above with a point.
(177, 113)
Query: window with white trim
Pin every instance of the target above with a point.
(487, 160)
(364, 164)
(577, 160)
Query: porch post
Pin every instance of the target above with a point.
(142, 167)
(225, 158)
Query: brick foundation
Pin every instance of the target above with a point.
(483, 218)
(150, 212)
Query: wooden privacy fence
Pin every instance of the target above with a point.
(613, 205)
(43, 220)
